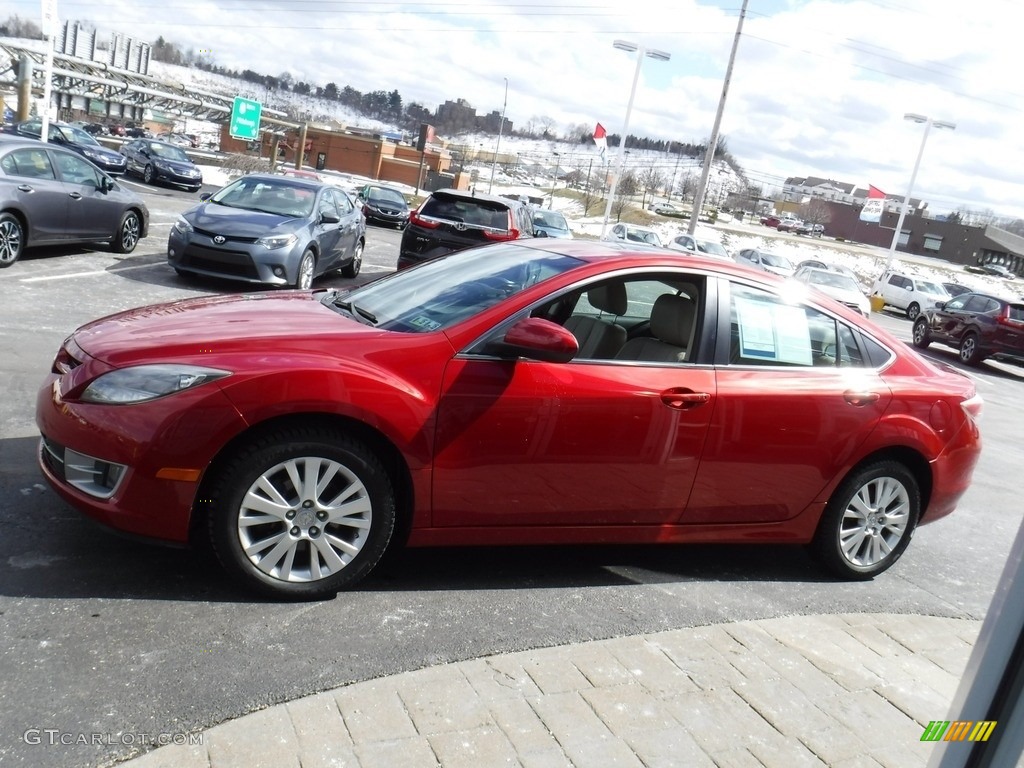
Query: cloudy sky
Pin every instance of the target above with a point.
(819, 87)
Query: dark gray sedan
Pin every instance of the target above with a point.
(273, 230)
(158, 161)
(52, 196)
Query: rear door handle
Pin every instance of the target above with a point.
(25, 188)
(860, 399)
(75, 195)
(683, 399)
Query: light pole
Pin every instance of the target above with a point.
(497, 145)
(554, 182)
(928, 123)
(641, 52)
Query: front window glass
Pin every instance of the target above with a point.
(775, 260)
(445, 291)
(552, 219)
(75, 170)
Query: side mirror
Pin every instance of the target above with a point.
(540, 233)
(537, 339)
(329, 218)
(106, 183)
(205, 196)
(940, 305)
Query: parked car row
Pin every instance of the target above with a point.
(73, 138)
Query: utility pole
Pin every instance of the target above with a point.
(497, 145)
(709, 156)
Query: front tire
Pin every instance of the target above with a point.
(128, 233)
(304, 277)
(913, 311)
(301, 513)
(922, 336)
(970, 350)
(351, 270)
(12, 239)
(868, 522)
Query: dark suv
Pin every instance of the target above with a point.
(977, 324)
(451, 220)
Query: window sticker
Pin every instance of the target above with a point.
(773, 332)
(424, 323)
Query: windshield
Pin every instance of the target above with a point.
(926, 287)
(74, 135)
(552, 219)
(444, 291)
(268, 195)
(834, 280)
(706, 246)
(386, 195)
(774, 260)
(168, 152)
(643, 236)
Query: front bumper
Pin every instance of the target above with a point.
(173, 436)
(233, 260)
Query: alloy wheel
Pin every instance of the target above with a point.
(874, 522)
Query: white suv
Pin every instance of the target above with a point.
(911, 294)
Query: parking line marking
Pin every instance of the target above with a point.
(85, 274)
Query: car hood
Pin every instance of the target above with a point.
(101, 151)
(840, 294)
(286, 321)
(387, 205)
(239, 222)
(175, 165)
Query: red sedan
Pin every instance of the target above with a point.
(519, 393)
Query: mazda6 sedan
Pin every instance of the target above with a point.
(270, 229)
(527, 392)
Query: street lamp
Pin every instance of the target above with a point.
(501, 127)
(928, 123)
(641, 52)
(554, 182)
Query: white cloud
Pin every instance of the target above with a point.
(819, 87)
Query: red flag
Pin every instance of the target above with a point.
(599, 139)
(875, 192)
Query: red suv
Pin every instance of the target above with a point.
(977, 324)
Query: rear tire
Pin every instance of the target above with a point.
(869, 521)
(301, 513)
(970, 350)
(352, 270)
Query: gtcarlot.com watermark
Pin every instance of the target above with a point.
(52, 737)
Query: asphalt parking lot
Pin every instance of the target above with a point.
(101, 635)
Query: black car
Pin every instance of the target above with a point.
(157, 161)
(450, 220)
(51, 196)
(979, 325)
(75, 139)
(383, 205)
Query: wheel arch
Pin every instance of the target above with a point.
(912, 459)
(388, 453)
(23, 220)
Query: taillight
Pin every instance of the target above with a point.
(973, 407)
(419, 221)
(509, 233)
(1005, 319)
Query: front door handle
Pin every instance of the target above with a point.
(860, 399)
(683, 399)
(75, 195)
(25, 188)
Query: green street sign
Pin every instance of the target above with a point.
(245, 119)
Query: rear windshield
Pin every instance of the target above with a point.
(480, 213)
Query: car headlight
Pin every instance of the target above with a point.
(93, 154)
(272, 242)
(147, 382)
(182, 226)
(160, 164)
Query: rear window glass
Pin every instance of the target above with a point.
(477, 213)
(1017, 312)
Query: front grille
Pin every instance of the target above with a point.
(234, 263)
(227, 238)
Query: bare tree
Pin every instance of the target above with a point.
(625, 189)
(547, 125)
(815, 212)
(650, 180)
